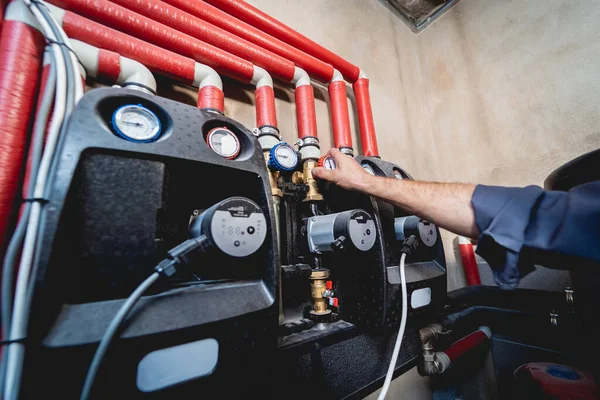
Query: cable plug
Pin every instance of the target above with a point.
(180, 254)
(409, 245)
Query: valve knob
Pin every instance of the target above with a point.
(283, 157)
(327, 162)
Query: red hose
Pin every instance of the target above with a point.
(211, 98)
(193, 26)
(340, 120)
(469, 262)
(314, 67)
(109, 65)
(264, 22)
(365, 117)
(305, 111)
(21, 49)
(466, 344)
(265, 107)
(146, 29)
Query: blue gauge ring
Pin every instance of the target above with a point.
(273, 163)
(122, 135)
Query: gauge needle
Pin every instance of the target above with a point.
(133, 123)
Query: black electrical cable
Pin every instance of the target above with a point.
(167, 267)
(14, 247)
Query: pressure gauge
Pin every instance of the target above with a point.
(327, 162)
(354, 229)
(368, 168)
(223, 142)
(136, 123)
(398, 174)
(283, 157)
(236, 226)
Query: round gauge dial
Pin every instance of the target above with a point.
(224, 142)
(327, 162)
(398, 174)
(136, 123)
(368, 168)
(283, 157)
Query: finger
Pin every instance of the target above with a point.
(323, 173)
(337, 155)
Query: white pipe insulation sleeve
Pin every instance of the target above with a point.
(18, 11)
(135, 72)
(88, 55)
(301, 78)
(337, 76)
(362, 75)
(206, 76)
(261, 78)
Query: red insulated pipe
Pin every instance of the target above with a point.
(161, 61)
(340, 120)
(144, 28)
(469, 261)
(109, 65)
(305, 111)
(465, 345)
(365, 117)
(212, 98)
(265, 107)
(266, 23)
(182, 21)
(314, 67)
(21, 49)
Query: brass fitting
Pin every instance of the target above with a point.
(318, 287)
(273, 178)
(306, 178)
(429, 336)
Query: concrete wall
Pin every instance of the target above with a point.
(495, 92)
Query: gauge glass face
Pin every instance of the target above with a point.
(136, 123)
(368, 168)
(286, 156)
(398, 174)
(329, 163)
(224, 142)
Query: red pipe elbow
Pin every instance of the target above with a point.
(305, 111)
(365, 117)
(340, 119)
(265, 107)
(21, 49)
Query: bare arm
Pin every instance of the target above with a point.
(447, 205)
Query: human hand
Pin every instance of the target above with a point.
(348, 174)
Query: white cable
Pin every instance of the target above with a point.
(16, 351)
(392, 367)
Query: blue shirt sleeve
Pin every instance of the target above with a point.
(524, 226)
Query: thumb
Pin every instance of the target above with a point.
(323, 173)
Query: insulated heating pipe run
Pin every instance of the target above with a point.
(469, 262)
(158, 60)
(253, 16)
(146, 29)
(461, 347)
(21, 50)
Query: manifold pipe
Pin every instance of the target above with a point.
(315, 68)
(158, 60)
(269, 25)
(144, 28)
(277, 66)
(21, 50)
(110, 66)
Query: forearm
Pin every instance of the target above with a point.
(447, 205)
